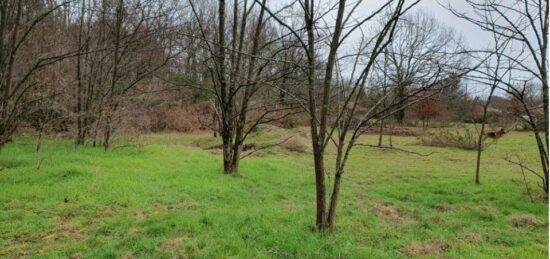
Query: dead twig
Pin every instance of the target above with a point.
(523, 168)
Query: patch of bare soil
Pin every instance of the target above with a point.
(173, 244)
(437, 219)
(133, 232)
(435, 248)
(71, 232)
(473, 238)
(386, 212)
(441, 208)
(181, 247)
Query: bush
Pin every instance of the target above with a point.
(459, 138)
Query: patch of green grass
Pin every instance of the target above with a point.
(169, 199)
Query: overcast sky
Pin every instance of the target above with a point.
(472, 34)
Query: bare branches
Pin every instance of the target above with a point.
(519, 30)
(518, 162)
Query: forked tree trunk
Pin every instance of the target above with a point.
(240, 124)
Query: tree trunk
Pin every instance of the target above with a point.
(235, 158)
(331, 218)
(228, 167)
(381, 133)
(391, 134)
(320, 190)
(400, 114)
(107, 136)
(482, 133)
(79, 96)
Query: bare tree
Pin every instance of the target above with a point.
(494, 67)
(336, 109)
(239, 67)
(19, 24)
(524, 24)
(121, 44)
(421, 46)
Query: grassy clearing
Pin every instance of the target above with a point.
(169, 199)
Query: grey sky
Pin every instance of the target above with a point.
(473, 36)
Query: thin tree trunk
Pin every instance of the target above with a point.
(482, 133)
(116, 60)
(331, 218)
(320, 189)
(80, 124)
(318, 154)
(381, 133)
(106, 136)
(392, 126)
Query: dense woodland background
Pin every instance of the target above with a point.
(107, 67)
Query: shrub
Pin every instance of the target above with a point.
(459, 138)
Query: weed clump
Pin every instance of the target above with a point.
(387, 212)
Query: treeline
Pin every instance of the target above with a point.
(89, 68)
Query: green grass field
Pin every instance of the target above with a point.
(170, 200)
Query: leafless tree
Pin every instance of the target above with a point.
(336, 107)
(121, 44)
(239, 60)
(499, 70)
(20, 22)
(524, 24)
(420, 48)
